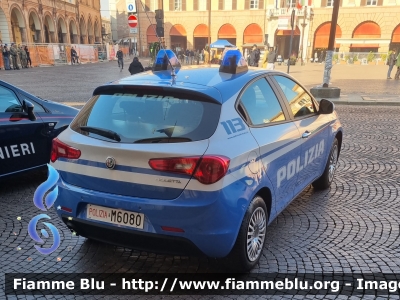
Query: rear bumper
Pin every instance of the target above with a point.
(132, 238)
(210, 220)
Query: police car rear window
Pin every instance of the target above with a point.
(147, 118)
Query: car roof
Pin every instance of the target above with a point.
(203, 78)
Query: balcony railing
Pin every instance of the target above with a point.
(277, 12)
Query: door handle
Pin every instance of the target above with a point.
(306, 134)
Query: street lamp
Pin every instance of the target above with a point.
(302, 34)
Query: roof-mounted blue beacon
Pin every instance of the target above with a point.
(233, 62)
(165, 59)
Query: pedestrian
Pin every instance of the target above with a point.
(391, 63)
(254, 56)
(24, 62)
(269, 59)
(398, 67)
(28, 57)
(206, 54)
(19, 56)
(135, 66)
(14, 55)
(191, 57)
(6, 57)
(197, 56)
(120, 57)
(74, 56)
(1, 51)
(187, 54)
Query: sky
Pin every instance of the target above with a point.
(104, 8)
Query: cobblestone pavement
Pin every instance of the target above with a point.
(353, 227)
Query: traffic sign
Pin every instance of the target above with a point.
(132, 21)
(133, 30)
(131, 7)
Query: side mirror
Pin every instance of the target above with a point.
(326, 107)
(28, 108)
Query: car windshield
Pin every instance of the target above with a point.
(147, 118)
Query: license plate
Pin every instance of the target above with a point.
(115, 216)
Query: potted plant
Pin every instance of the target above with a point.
(355, 60)
(370, 58)
(335, 59)
(383, 60)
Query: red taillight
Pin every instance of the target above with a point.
(59, 149)
(206, 169)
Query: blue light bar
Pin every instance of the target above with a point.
(162, 58)
(232, 62)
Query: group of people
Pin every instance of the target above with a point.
(393, 60)
(188, 56)
(15, 56)
(135, 66)
(268, 61)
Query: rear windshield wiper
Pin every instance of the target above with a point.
(103, 132)
(164, 140)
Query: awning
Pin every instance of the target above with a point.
(322, 36)
(221, 44)
(253, 34)
(177, 30)
(201, 31)
(288, 32)
(396, 35)
(227, 31)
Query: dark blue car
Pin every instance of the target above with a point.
(27, 126)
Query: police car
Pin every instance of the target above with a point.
(195, 159)
(28, 125)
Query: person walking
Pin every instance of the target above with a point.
(206, 55)
(120, 57)
(6, 57)
(28, 57)
(254, 56)
(398, 67)
(14, 55)
(391, 63)
(135, 66)
(269, 59)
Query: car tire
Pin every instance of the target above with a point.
(326, 178)
(245, 255)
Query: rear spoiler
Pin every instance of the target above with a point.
(174, 91)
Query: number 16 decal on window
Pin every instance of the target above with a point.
(233, 125)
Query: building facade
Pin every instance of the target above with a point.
(50, 21)
(363, 25)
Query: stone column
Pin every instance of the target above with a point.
(38, 35)
(22, 30)
(52, 36)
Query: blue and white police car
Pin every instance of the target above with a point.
(194, 159)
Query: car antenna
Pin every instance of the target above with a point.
(159, 40)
